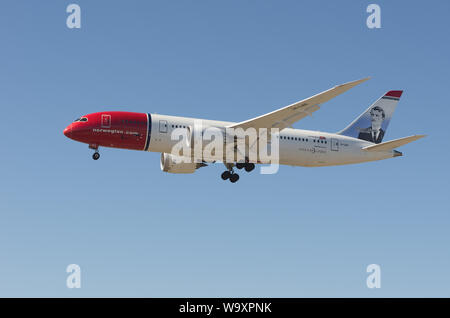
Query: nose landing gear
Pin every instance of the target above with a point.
(96, 154)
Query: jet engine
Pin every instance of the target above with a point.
(176, 164)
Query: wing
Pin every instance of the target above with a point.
(286, 116)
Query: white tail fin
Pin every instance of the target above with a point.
(389, 145)
(372, 124)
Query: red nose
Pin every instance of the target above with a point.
(68, 131)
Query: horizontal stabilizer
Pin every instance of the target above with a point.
(389, 145)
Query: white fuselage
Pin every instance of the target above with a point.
(297, 147)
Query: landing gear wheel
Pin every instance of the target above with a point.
(226, 175)
(96, 156)
(234, 177)
(249, 167)
(240, 165)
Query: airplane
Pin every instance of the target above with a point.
(361, 141)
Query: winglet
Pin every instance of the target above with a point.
(354, 83)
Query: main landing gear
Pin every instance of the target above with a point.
(233, 176)
(246, 165)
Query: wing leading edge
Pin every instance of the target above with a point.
(286, 116)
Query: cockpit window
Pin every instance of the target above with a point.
(78, 119)
(81, 119)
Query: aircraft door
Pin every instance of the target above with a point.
(163, 126)
(334, 144)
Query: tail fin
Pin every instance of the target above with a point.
(372, 124)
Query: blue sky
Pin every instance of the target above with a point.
(303, 232)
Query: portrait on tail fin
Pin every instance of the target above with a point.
(374, 133)
(372, 124)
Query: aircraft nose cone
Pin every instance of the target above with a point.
(68, 131)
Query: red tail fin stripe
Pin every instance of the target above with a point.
(394, 94)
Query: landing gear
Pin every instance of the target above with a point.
(247, 165)
(234, 178)
(226, 175)
(230, 174)
(96, 155)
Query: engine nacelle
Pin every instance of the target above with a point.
(175, 164)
